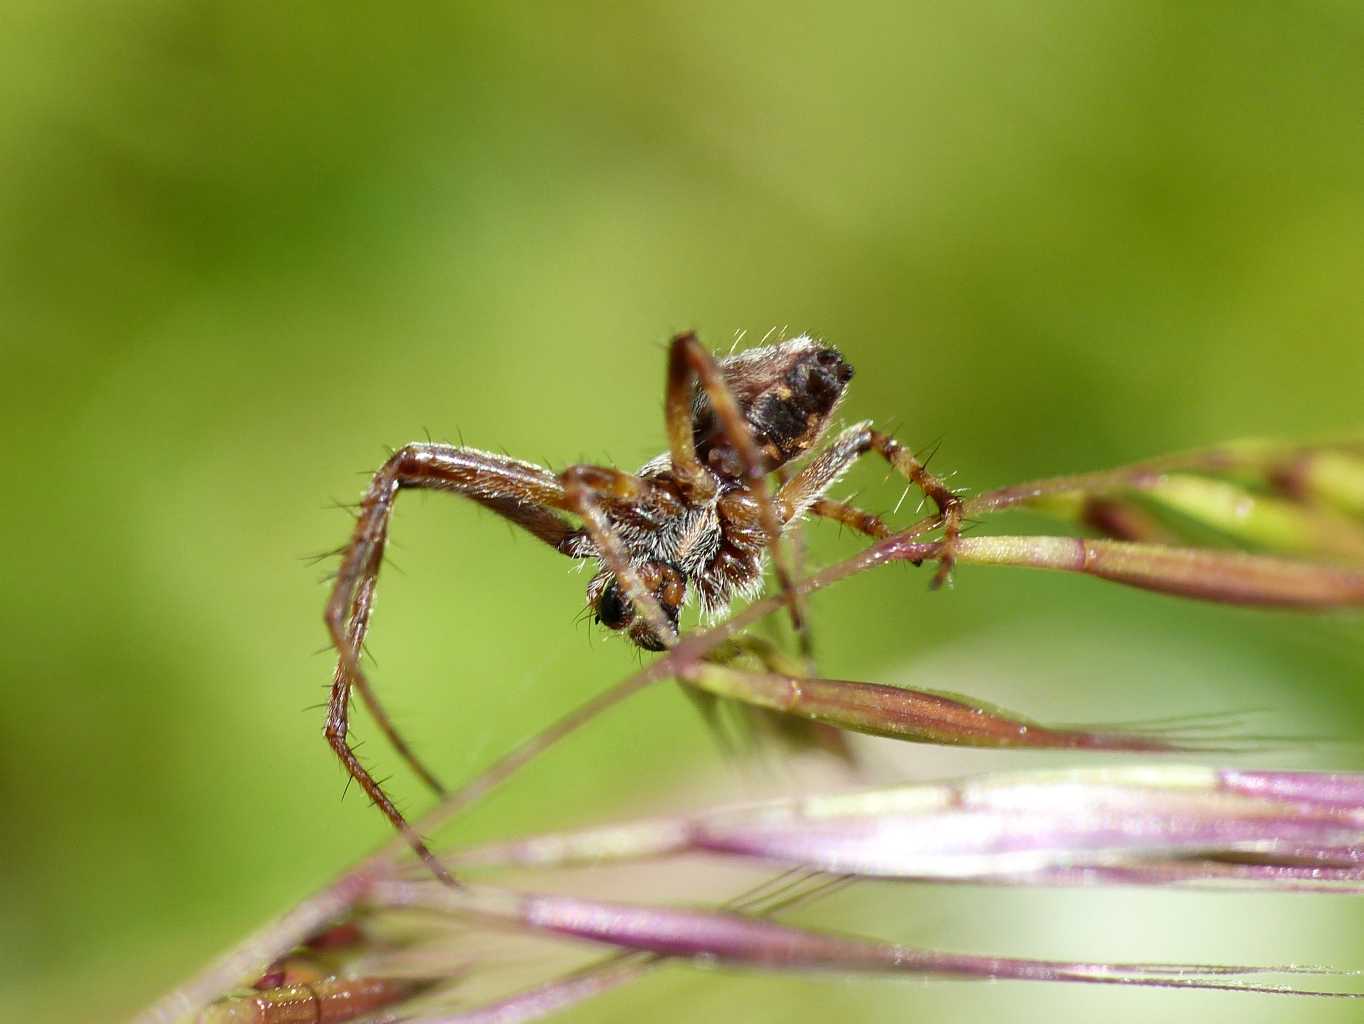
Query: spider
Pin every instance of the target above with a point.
(697, 522)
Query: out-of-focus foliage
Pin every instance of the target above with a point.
(245, 246)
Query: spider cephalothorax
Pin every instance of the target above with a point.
(697, 518)
(614, 610)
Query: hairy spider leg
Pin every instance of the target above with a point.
(589, 490)
(805, 491)
(689, 361)
(798, 549)
(522, 492)
(850, 516)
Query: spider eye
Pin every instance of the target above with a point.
(832, 361)
(614, 611)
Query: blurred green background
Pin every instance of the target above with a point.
(245, 246)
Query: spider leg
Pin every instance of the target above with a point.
(948, 503)
(521, 492)
(806, 488)
(364, 604)
(805, 492)
(850, 516)
(689, 361)
(797, 548)
(589, 491)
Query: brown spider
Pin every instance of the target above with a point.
(696, 519)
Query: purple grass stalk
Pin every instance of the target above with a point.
(1211, 875)
(962, 844)
(1344, 790)
(1230, 577)
(920, 716)
(563, 992)
(1010, 828)
(553, 996)
(1264, 460)
(723, 937)
(324, 1001)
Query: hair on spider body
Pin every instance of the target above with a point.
(710, 538)
(695, 523)
(787, 394)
